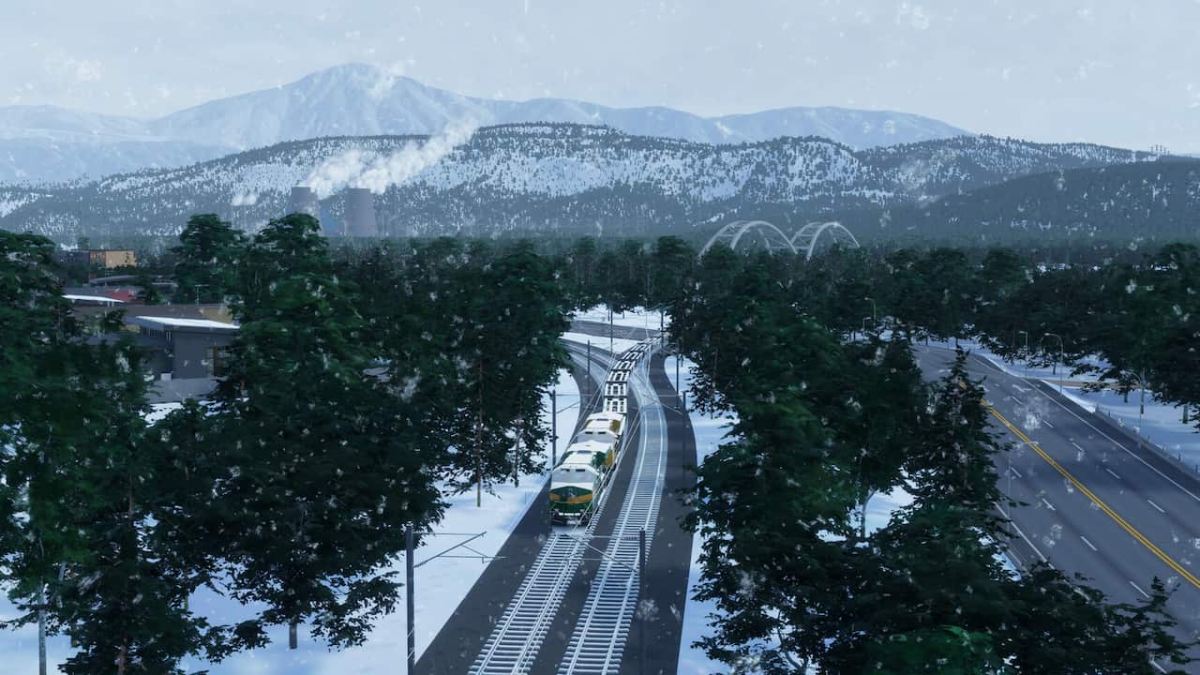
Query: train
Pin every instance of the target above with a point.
(578, 481)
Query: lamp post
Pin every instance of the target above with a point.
(1026, 333)
(874, 312)
(1060, 357)
(864, 326)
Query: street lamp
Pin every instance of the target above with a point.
(864, 326)
(1060, 358)
(1026, 333)
(874, 312)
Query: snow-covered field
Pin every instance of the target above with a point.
(602, 343)
(639, 317)
(440, 585)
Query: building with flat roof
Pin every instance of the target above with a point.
(185, 349)
(102, 257)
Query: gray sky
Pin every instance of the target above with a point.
(1120, 72)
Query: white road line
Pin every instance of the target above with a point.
(1157, 667)
(1048, 504)
(1139, 589)
(1013, 525)
(1160, 509)
(1089, 544)
(1077, 446)
(1112, 473)
(1014, 471)
(1110, 438)
(1047, 423)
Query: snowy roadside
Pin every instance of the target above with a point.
(1162, 425)
(440, 585)
(638, 317)
(618, 344)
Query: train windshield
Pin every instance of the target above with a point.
(572, 474)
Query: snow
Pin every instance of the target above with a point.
(187, 323)
(440, 585)
(618, 344)
(94, 298)
(638, 317)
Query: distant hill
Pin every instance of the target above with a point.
(46, 144)
(555, 178)
(1126, 201)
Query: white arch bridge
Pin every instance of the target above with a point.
(803, 242)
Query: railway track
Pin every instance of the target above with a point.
(513, 644)
(598, 640)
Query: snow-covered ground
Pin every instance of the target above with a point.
(618, 344)
(638, 317)
(440, 585)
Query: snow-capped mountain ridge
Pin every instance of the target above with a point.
(362, 100)
(554, 177)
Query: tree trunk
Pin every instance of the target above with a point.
(42, 629)
(479, 444)
(292, 641)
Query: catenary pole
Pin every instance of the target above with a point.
(642, 600)
(412, 632)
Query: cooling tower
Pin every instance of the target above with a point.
(360, 213)
(304, 200)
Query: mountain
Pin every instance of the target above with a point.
(1125, 201)
(361, 100)
(553, 178)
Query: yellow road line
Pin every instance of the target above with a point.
(1133, 532)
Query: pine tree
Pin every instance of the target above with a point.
(206, 259)
(319, 477)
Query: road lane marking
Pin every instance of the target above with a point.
(1048, 504)
(1089, 544)
(1047, 423)
(1014, 471)
(1116, 517)
(1139, 589)
(1160, 509)
(1112, 473)
(1110, 438)
(1020, 532)
(1077, 446)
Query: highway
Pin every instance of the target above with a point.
(1090, 501)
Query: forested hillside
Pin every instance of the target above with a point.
(562, 179)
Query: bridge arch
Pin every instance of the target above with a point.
(732, 233)
(806, 238)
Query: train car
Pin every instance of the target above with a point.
(616, 404)
(578, 482)
(602, 426)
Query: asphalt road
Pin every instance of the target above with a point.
(1091, 502)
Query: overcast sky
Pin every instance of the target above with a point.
(1122, 72)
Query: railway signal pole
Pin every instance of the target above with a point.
(642, 600)
(553, 428)
(410, 600)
